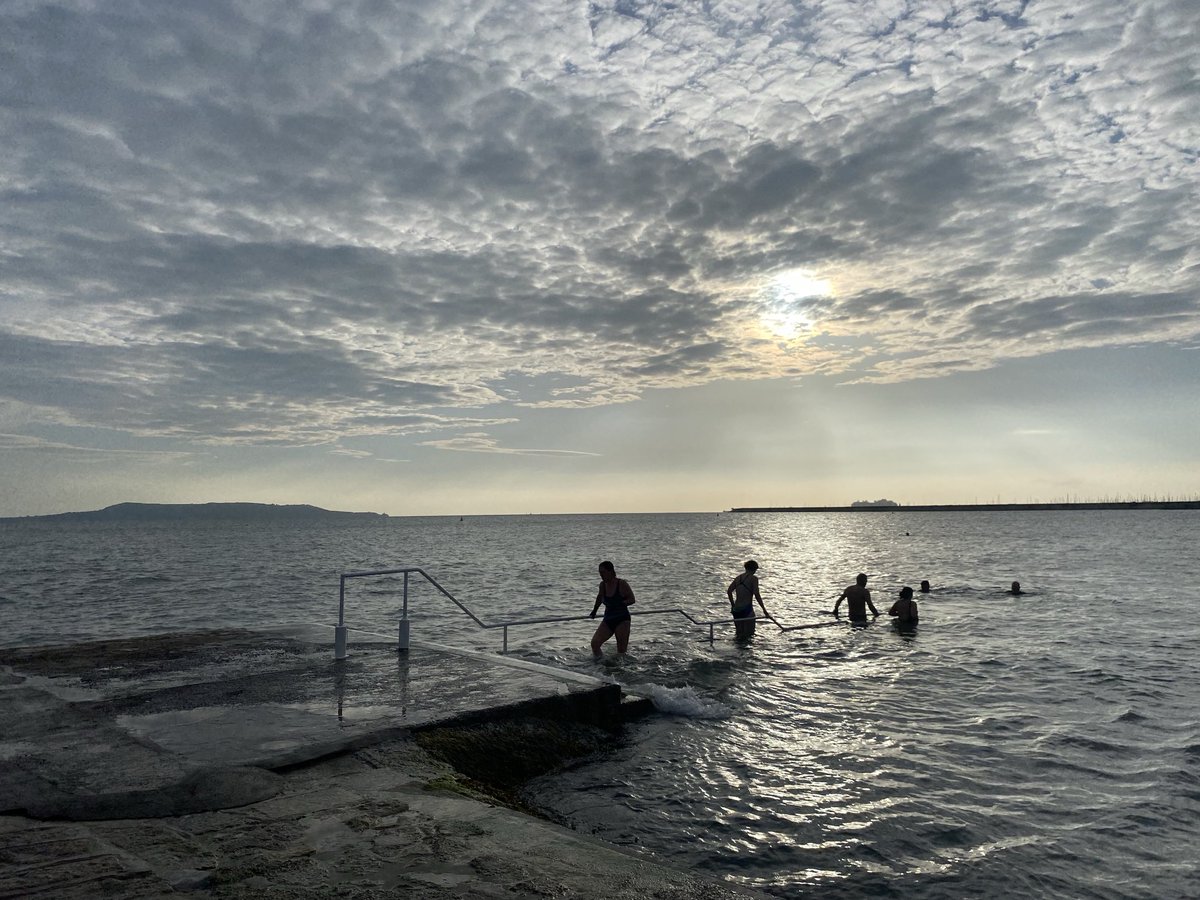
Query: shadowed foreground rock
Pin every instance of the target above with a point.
(376, 823)
(245, 764)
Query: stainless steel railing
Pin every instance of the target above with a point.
(341, 630)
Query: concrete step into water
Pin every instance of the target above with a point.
(236, 762)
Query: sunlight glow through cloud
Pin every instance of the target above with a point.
(788, 302)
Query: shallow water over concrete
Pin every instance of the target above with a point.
(148, 715)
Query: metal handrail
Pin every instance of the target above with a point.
(340, 631)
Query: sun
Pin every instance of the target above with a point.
(788, 301)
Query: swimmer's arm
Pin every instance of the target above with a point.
(758, 597)
(629, 601)
(839, 603)
(599, 600)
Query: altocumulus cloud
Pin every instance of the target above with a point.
(277, 223)
(479, 442)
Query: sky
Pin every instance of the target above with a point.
(454, 257)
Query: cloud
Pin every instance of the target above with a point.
(23, 443)
(480, 442)
(272, 224)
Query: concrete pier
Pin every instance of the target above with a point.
(236, 763)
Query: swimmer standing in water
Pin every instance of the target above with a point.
(905, 609)
(857, 598)
(742, 606)
(617, 596)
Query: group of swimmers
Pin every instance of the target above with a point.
(858, 601)
(616, 596)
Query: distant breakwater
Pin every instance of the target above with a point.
(978, 507)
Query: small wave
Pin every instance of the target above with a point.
(683, 701)
(148, 579)
(1130, 716)
(835, 653)
(945, 834)
(1099, 676)
(1089, 744)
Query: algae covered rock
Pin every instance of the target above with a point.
(509, 753)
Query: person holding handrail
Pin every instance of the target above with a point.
(742, 605)
(617, 596)
(857, 598)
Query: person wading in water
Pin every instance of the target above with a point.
(905, 609)
(742, 605)
(857, 598)
(617, 596)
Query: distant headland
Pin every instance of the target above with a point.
(890, 506)
(203, 512)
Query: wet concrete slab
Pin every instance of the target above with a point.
(252, 764)
(207, 715)
(371, 824)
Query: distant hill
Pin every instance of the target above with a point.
(203, 512)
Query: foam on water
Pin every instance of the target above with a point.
(683, 701)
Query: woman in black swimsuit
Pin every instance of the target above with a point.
(742, 605)
(617, 596)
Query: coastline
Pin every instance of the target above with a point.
(224, 513)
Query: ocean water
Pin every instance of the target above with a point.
(1045, 745)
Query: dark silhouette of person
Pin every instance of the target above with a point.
(905, 609)
(742, 606)
(617, 596)
(925, 588)
(858, 599)
(1016, 588)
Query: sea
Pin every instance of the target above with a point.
(1045, 744)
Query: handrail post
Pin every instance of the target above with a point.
(403, 629)
(339, 631)
(505, 650)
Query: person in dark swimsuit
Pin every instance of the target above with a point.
(742, 605)
(617, 596)
(905, 609)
